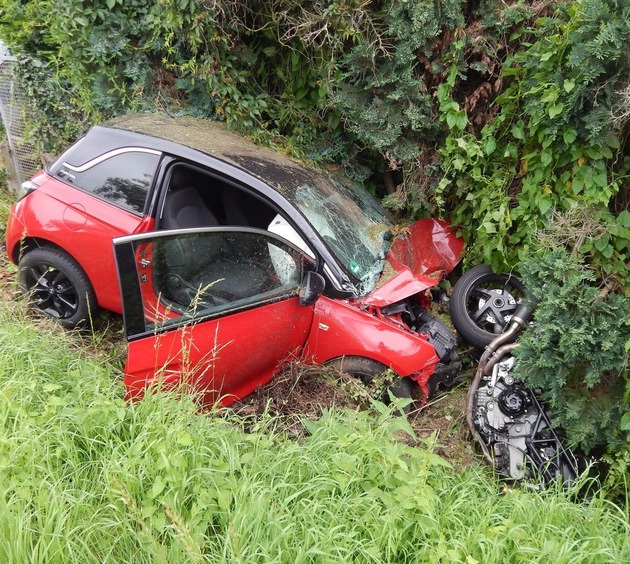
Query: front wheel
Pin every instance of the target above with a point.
(482, 304)
(57, 286)
(366, 370)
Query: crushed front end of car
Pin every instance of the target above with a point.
(417, 260)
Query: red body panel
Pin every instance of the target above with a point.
(400, 286)
(341, 328)
(430, 247)
(226, 358)
(57, 213)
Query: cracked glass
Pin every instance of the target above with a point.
(353, 225)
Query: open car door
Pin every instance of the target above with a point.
(214, 311)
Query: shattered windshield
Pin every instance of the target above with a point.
(352, 224)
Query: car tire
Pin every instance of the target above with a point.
(366, 369)
(57, 286)
(482, 304)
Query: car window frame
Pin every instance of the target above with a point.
(135, 322)
(100, 159)
(169, 162)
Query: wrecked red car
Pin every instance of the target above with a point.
(228, 261)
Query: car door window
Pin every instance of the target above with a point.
(122, 179)
(211, 272)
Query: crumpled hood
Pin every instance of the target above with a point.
(417, 260)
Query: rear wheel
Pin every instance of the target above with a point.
(57, 286)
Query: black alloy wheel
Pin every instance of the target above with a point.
(482, 304)
(57, 286)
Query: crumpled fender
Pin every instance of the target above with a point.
(430, 247)
(416, 261)
(396, 285)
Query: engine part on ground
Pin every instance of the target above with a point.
(511, 426)
(522, 315)
(517, 431)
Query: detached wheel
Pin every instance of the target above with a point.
(366, 369)
(482, 304)
(57, 286)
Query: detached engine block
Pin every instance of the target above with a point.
(517, 431)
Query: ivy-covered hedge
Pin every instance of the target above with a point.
(551, 145)
(574, 352)
(507, 117)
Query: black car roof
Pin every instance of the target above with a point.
(213, 138)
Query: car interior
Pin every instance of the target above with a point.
(195, 198)
(216, 269)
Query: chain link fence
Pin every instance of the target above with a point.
(12, 111)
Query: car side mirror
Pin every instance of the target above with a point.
(313, 285)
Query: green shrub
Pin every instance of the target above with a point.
(385, 94)
(552, 144)
(241, 62)
(577, 351)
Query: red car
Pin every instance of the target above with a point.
(228, 260)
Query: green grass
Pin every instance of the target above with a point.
(84, 477)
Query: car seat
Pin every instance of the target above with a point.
(184, 208)
(201, 264)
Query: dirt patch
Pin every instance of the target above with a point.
(302, 392)
(445, 418)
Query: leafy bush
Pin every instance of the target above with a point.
(552, 144)
(260, 66)
(385, 94)
(577, 350)
(100, 48)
